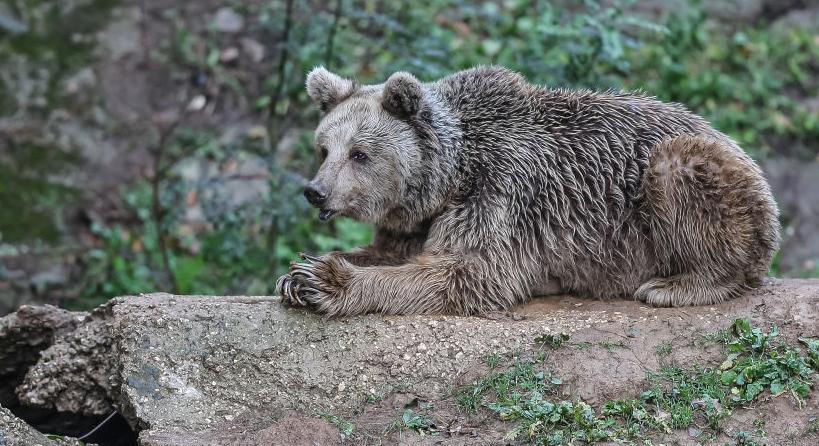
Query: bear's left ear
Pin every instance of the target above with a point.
(402, 95)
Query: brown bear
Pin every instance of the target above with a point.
(486, 190)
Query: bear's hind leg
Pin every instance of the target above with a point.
(712, 222)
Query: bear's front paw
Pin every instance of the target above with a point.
(318, 282)
(290, 290)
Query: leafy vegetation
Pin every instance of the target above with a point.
(755, 364)
(737, 80)
(508, 386)
(493, 360)
(612, 345)
(184, 229)
(677, 398)
(419, 423)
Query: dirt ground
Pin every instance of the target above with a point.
(612, 346)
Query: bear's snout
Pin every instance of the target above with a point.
(316, 194)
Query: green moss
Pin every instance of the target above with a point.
(60, 42)
(29, 197)
(32, 200)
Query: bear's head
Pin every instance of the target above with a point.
(368, 143)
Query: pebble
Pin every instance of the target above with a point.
(227, 20)
(229, 55)
(253, 49)
(197, 103)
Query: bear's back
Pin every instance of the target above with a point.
(578, 157)
(516, 133)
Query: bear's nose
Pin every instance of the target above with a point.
(315, 194)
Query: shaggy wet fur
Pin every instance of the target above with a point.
(486, 190)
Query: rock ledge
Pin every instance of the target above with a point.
(242, 370)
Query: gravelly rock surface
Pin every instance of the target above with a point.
(230, 370)
(23, 335)
(73, 374)
(15, 432)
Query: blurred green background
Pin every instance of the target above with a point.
(162, 145)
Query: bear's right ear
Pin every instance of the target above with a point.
(402, 95)
(328, 89)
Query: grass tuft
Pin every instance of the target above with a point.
(344, 426)
(552, 340)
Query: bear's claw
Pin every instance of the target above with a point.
(301, 286)
(308, 257)
(289, 289)
(313, 283)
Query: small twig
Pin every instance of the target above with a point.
(95, 429)
(157, 213)
(273, 232)
(159, 152)
(283, 56)
(143, 32)
(331, 36)
(609, 332)
(636, 358)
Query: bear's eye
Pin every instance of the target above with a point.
(358, 156)
(323, 152)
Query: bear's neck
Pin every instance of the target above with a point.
(434, 184)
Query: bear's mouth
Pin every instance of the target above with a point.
(326, 214)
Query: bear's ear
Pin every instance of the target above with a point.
(328, 89)
(402, 95)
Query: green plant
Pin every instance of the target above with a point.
(232, 255)
(743, 438)
(686, 395)
(664, 349)
(34, 165)
(504, 385)
(420, 423)
(676, 399)
(611, 345)
(813, 427)
(493, 360)
(735, 80)
(756, 364)
(31, 199)
(759, 424)
(373, 398)
(552, 340)
(344, 426)
(719, 337)
(813, 351)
